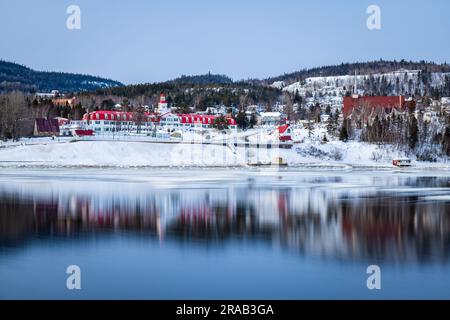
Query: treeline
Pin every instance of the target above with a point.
(200, 92)
(420, 85)
(371, 67)
(17, 77)
(187, 97)
(18, 112)
(203, 79)
(15, 115)
(427, 139)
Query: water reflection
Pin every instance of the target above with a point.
(390, 218)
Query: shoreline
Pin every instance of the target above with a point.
(333, 156)
(287, 168)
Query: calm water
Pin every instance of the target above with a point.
(223, 234)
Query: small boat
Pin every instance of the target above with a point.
(402, 162)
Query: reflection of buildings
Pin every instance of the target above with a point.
(314, 219)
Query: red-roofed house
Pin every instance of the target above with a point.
(284, 133)
(46, 127)
(114, 121)
(195, 121)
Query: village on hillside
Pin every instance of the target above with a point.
(321, 119)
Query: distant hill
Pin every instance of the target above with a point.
(17, 77)
(376, 77)
(366, 68)
(203, 79)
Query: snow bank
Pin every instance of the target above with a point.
(133, 154)
(141, 154)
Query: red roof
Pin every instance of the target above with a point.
(202, 119)
(118, 116)
(387, 102)
(47, 125)
(128, 116)
(84, 132)
(283, 129)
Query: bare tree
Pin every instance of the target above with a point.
(289, 105)
(139, 117)
(15, 115)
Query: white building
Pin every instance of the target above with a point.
(270, 118)
(163, 105)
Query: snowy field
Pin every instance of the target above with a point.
(145, 154)
(211, 149)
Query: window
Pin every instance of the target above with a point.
(97, 116)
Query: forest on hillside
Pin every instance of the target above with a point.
(203, 79)
(184, 95)
(363, 68)
(15, 77)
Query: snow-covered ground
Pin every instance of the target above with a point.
(311, 152)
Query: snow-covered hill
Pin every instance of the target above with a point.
(398, 82)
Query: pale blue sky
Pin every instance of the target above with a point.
(145, 41)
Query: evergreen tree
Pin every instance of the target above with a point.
(241, 120)
(413, 132)
(343, 134)
(446, 141)
(253, 120)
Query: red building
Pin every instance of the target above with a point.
(284, 133)
(386, 102)
(46, 127)
(115, 121)
(119, 116)
(206, 121)
(104, 122)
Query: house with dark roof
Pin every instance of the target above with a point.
(46, 127)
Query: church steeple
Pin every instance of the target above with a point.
(163, 105)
